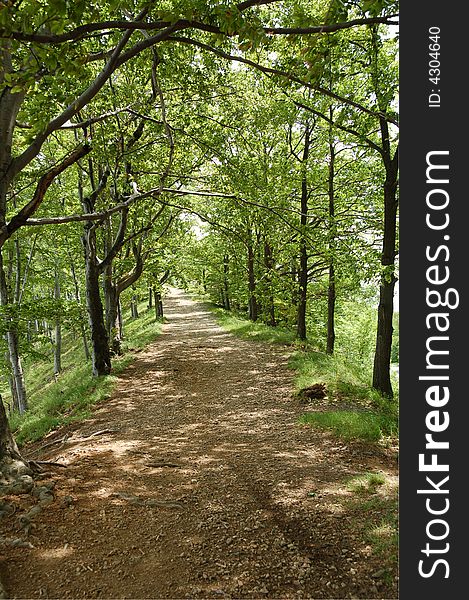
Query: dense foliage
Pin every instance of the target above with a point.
(248, 149)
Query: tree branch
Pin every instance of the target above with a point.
(84, 31)
(95, 216)
(93, 120)
(44, 183)
(116, 60)
(286, 75)
(341, 127)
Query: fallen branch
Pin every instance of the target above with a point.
(159, 465)
(95, 433)
(62, 440)
(47, 462)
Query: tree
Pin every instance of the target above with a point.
(54, 63)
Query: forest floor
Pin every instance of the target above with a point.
(195, 480)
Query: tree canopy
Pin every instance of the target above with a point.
(245, 148)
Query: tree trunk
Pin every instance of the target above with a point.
(18, 388)
(303, 270)
(58, 331)
(150, 297)
(382, 359)
(101, 357)
(84, 336)
(331, 298)
(331, 290)
(268, 263)
(111, 300)
(226, 293)
(119, 318)
(253, 309)
(158, 305)
(134, 307)
(302, 293)
(14, 395)
(14, 469)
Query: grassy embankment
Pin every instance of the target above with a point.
(70, 396)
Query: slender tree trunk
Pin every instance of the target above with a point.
(14, 395)
(134, 307)
(302, 293)
(157, 306)
(18, 270)
(119, 318)
(303, 268)
(84, 335)
(226, 292)
(160, 306)
(150, 297)
(253, 309)
(331, 289)
(58, 330)
(331, 298)
(268, 263)
(18, 389)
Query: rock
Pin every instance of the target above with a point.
(67, 501)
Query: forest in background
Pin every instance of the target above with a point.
(245, 150)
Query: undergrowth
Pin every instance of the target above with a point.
(368, 426)
(252, 331)
(374, 501)
(70, 397)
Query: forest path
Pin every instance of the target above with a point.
(205, 487)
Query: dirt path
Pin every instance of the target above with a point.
(205, 487)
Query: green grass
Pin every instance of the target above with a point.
(341, 377)
(252, 331)
(366, 483)
(70, 397)
(362, 425)
(370, 416)
(376, 508)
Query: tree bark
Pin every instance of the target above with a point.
(303, 267)
(18, 388)
(331, 298)
(253, 309)
(84, 336)
(269, 264)
(226, 292)
(158, 305)
(100, 354)
(331, 289)
(382, 359)
(111, 301)
(134, 308)
(58, 330)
